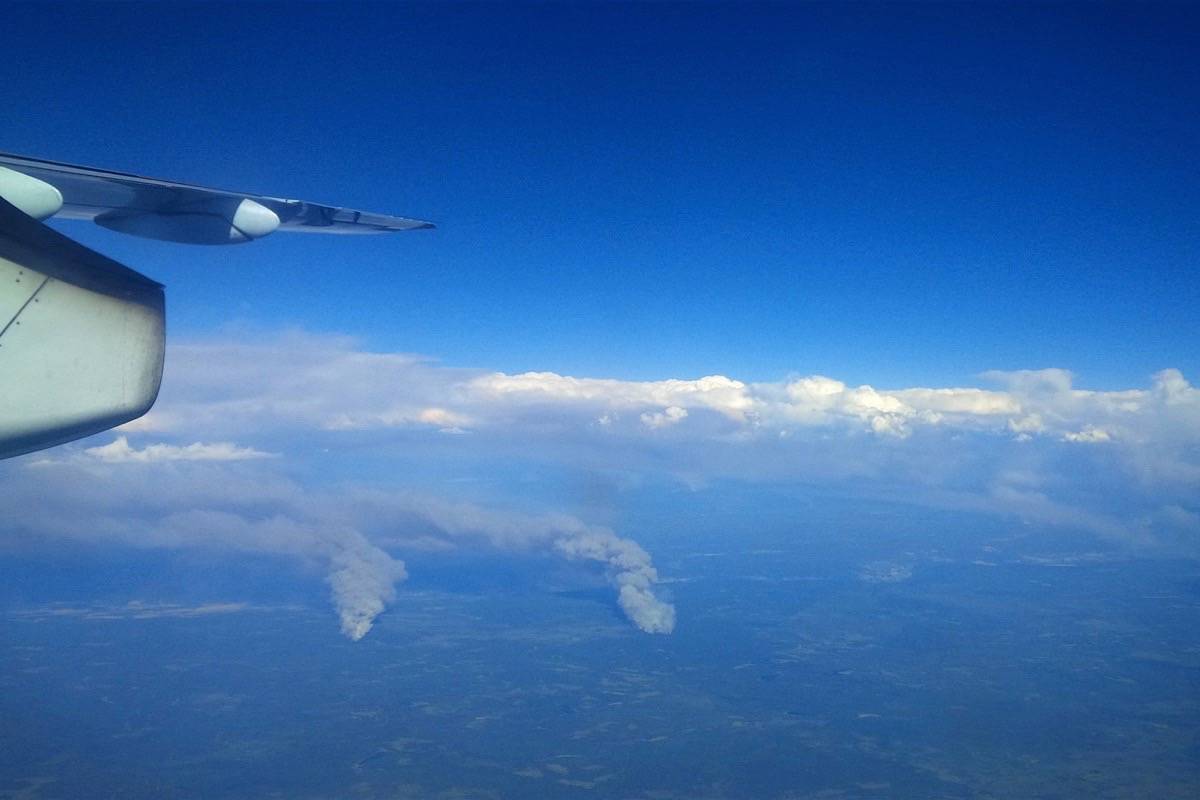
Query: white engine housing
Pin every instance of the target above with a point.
(218, 220)
(36, 198)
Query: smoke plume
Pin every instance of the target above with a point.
(362, 581)
(350, 532)
(630, 571)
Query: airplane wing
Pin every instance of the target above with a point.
(82, 338)
(161, 209)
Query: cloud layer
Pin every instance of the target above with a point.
(238, 452)
(326, 383)
(1009, 443)
(119, 451)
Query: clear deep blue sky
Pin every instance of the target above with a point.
(898, 195)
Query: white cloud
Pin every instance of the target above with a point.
(298, 387)
(716, 392)
(300, 381)
(1026, 425)
(970, 402)
(398, 417)
(1090, 434)
(119, 452)
(136, 609)
(671, 415)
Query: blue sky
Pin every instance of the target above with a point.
(894, 195)
(942, 256)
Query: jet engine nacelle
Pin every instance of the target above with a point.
(36, 198)
(217, 220)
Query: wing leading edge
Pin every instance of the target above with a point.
(158, 208)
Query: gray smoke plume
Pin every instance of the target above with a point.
(630, 571)
(362, 581)
(362, 577)
(628, 566)
(246, 506)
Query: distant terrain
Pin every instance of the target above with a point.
(999, 667)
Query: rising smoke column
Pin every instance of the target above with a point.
(628, 566)
(630, 571)
(363, 577)
(362, 581)
(244, 507)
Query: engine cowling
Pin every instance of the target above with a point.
(82, 348)
(36, 198)
(218, 220)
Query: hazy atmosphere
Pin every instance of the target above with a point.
(793, 401)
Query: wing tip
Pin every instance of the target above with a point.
(400, 224)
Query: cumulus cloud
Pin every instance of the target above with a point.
(818, 400)
(667, 417)
(716, 392)
(326, 383)
(1090, 434)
